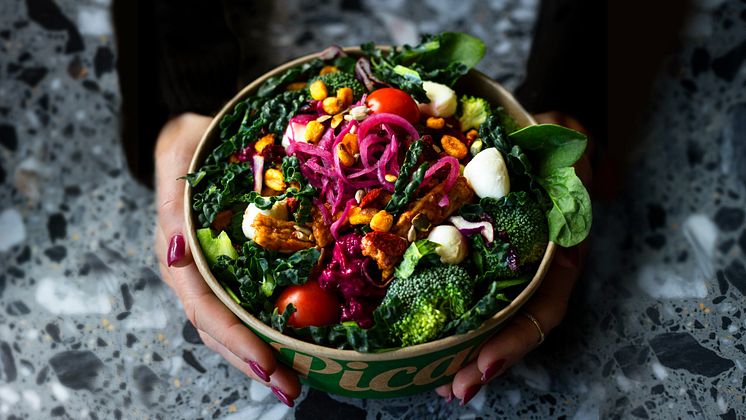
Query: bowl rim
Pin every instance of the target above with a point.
(315, 349)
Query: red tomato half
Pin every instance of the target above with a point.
(314, 306)
(393, 101)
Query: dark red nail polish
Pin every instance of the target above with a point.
(470, 393)
(176, 249)
(258, 371)
(282, 397)
(492, 370)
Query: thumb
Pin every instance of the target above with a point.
(176, 144)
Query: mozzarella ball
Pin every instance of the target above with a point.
(453, 248)
(443, 100)
(487, 174)
(279, 211)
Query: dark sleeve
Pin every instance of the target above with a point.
(597, 61)
(173, 57)
(566, 70)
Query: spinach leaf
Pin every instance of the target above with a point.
(345, 63)
(414, 253)
(551, 146)
(452, 47)
(570, 216)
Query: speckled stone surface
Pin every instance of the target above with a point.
(87, 329)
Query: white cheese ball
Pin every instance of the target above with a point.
(279, 211)
(487, 174)
(453, 248)
(443, 100)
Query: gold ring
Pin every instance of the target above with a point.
(536, 324)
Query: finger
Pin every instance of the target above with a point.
(521, 335)
(467, 382)
(160, 252)
(445, 391)
(207, 313)
(283, 380)
(176, 144)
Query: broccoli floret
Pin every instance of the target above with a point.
(430, 298)
(472, 112)
(522, 219)
(340, 79)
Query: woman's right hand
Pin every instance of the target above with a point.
(218, 327)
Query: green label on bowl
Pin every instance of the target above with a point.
(379, 379)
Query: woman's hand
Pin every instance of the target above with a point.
(547, 307)
(218, 327)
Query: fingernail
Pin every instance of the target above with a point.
(569, 257)
(492, 370)
(449, 398)
(282, 397)
(258, 371)
(470, 393)
(175, 249)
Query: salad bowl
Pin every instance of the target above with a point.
(380, 374)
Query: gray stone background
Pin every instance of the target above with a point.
(87, 329)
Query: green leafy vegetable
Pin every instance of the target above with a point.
(416, 251)
(570, 216)
(399, 201)
(291, 173)
(491, 262)
(506, 120)
(219, 188)
(442, 58)
(485, 308)
(493, 135)
(280, 321)
(441, 51)
(301, 72)
(277, 111)
(292, 270)
(407, 182)
(214, 246)
(550, 146)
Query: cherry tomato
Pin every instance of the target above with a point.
(393, 101)
(314, 306)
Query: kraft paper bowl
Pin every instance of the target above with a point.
(388, 374)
